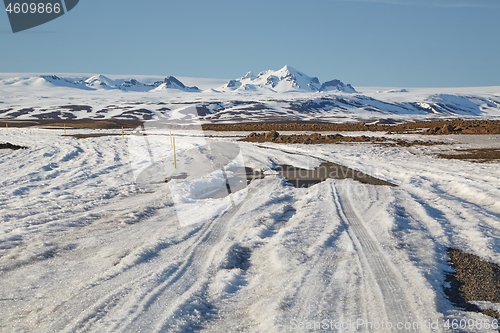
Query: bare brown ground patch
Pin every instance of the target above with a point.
(316, 138)
(455, 126)
(473, 280)
(435, 127)
(294, 126)
(74, 123)
(92, 135)
(479, 155)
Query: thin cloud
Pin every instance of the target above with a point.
(436, 3)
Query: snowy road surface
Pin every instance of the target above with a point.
(85, 248)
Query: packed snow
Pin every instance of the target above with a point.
(93, 239)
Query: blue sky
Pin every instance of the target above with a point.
(407, 43)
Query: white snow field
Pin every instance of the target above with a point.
(86, 245)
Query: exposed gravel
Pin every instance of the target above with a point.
(474, 280)
(474, 155)
(438, 127)
(317, 138)
(74, 123)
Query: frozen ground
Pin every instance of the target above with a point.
(93, 240)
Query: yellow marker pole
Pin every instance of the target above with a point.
(175, 153)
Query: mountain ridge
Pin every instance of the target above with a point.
(286, 79)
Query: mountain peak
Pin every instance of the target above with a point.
(287, 68)
(248, 75)
(285, 79)
(171, 82)
(338, 86)
(100, 80)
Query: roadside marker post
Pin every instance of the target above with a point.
(175, 153)
(123, 133)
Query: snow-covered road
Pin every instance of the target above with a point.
(86, 248)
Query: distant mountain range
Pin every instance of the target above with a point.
(100, 82)
(283, 95)
(287, 79)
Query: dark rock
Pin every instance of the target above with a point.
(171, 82)
(11, 146)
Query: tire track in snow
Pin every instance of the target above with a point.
(319, 284)
(203, 260)
(382, 283)
(102, 292)
(189, 278)
(392, 299)
(169, 288)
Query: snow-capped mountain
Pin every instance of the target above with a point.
(56, 80)
(104, 82)
(45, 81)
(337, 85)
(98, 82)
(286, 79)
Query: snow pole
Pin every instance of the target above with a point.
(123, 133)
(175, 153)
(64, 129)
